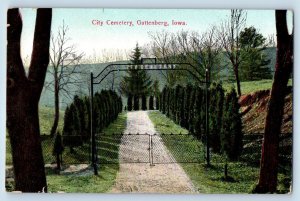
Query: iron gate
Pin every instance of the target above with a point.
(148, 148)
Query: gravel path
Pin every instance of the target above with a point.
(141, 177)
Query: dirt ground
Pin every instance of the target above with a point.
(141, 177)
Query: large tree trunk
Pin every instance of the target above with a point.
(23, 94)
(284, 65)
(23, 127)
(56, 104)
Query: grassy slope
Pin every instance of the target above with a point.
(208, 180)
(251, 86)
(93, 184)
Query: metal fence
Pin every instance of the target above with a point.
(252, 149)
(148, 148)
(155, 149)
(76, 155)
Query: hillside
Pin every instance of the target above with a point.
(47, 97)
(254, 110)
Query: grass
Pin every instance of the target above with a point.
(83, 184)
(75, 183)
(46, 115)
(107, 172)
(209, 180)
(251, 86)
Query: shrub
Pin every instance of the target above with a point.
(144, 102)
(136, 102)
(216, 113)
(151, 103)
(231, 134)
(129, 102)
(58, 149)
(71, 130)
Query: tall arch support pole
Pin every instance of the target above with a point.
(93, 137)
(207, 117)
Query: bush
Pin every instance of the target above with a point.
(157, 103)
(106, 107)
(144, 102)
(136, 102)
(216, 114)
(71, 130)
(58, 146)
(151, 103)
(231, 134)
(58, 149)
(199, 118)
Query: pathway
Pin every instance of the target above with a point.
(141, 177)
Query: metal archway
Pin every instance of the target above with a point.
(119, 67)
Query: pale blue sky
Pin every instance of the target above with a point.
(88, 37)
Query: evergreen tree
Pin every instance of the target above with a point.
(87, 114)
(231, 133)
(129, 102)
(216, 112)
(182, 108)
(192, 110)
(199, 120)
(187, 108)
(161, 101)
(137, 82)
(58, 149)
(144, 102)
(177, 103)
(254, 62)
(156, 93)
(157, 102)
(167, 102)
(136, 102)
(71, 130)
(164, 100)
(79, 104)
(151, 103)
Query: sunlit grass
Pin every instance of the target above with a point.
(251, 86)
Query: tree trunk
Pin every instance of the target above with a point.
(283, 69)
(238, 84)
(23, 127)
(23, 94)
(56, 102)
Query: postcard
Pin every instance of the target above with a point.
(173, 101)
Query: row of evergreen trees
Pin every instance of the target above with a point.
(186, 106)
(133, 103)
(77, 120)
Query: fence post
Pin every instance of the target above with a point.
(207, 117)
(151, 164)
(94, 162)
(149, 140)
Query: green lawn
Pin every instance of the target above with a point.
(107, 172)
(251, 86)
(91, 183)
(46, 115)
(208, 180)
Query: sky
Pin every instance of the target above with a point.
(90, 38)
